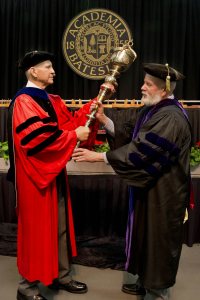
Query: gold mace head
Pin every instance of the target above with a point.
(121, 59)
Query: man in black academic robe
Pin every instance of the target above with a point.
(153, 156)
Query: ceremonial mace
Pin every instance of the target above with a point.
(120, 61)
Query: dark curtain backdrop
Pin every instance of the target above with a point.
(113, 113)
(163, 31)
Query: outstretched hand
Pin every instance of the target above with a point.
(81, 154)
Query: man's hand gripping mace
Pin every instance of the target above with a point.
(101, 97)
(121, 59)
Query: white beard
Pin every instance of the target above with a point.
(150, 100)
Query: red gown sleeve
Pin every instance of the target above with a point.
(79, 118)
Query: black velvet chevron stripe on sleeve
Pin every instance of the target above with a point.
(45, 143)
(141, 164)
(31, 121)
(29, 137)
(148, 158)
(152, 153)
(162, 143)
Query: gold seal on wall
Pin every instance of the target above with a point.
(90, 39)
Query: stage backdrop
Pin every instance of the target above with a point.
(163, 31)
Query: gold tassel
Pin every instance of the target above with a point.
(167, 79)
(186, 216)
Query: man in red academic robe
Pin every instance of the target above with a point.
(42, 137)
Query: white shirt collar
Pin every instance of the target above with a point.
(31, 84)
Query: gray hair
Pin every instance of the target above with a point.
(161, 84)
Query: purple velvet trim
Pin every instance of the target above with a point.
(150, 111)
(129, 231)
(140, 121)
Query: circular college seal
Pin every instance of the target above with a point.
(90, 39)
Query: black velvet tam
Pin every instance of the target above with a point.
(33, 58)
(161, 71)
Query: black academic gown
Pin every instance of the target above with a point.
(156, 165)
